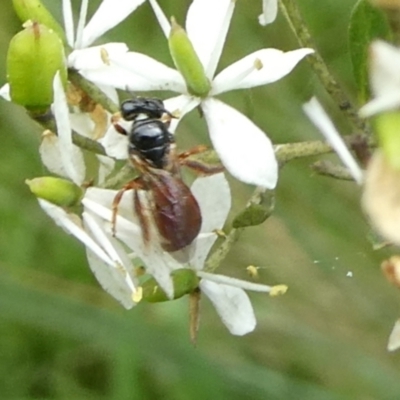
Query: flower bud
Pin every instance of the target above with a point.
(34, 10)
(34, 56)
(256, 214)
(187, 61)
(60, 192)
(185, 281)
(387, 127)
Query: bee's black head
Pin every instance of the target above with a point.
(152, 108)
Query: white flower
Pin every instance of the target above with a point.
(384, 73)
(242, 147)
(227, 294)
(270, 11)
(106, 257)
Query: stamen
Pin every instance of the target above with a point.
(225, 280)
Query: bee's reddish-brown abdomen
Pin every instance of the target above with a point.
(175, 210)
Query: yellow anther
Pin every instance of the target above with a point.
(278, 290)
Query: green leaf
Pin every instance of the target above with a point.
(367, 23)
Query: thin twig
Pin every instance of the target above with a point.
(293, 16)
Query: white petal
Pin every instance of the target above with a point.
(68, 22)
(243, 148)
(81, 24)
(99, 202)
(390, 101)
(69, 223)
(320, 119)
(118, 78)
(50, 154)
(115, 144)
(179, 106)
(384, 77)
(112, 65)
(108, 15)
(71, 156)
(394, 338)
(118, 280)
(384, 68)
(145, 67)
(96, 56)
(232, 305)
(200, 249)
(93, 225)
(82, 124)
(275, 64)
(110, 279)
(270, 11)
(380, 199)
(162, 19)
(157, 262)
(5, 92)
(209, 191)
(110, 92)
(207, 24)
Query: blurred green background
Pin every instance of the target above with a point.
(62, 337)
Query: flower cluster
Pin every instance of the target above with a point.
(116, 249)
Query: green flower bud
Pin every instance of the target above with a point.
(60, 192)
(34, 10)
(387, 127)
(256, 213)
(34, 56)
(185, 281)
(187, 61)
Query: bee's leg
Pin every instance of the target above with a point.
(114, 120)
(143, 218)
(132, 185)
(199, 166)
(195, 150)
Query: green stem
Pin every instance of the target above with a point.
(292, 14)
(222, 251)
(327, 168)
(92, 91)
(88, 144)
(124, 175)
(291, 151)
(47, 122)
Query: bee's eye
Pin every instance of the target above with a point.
(129, 110)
